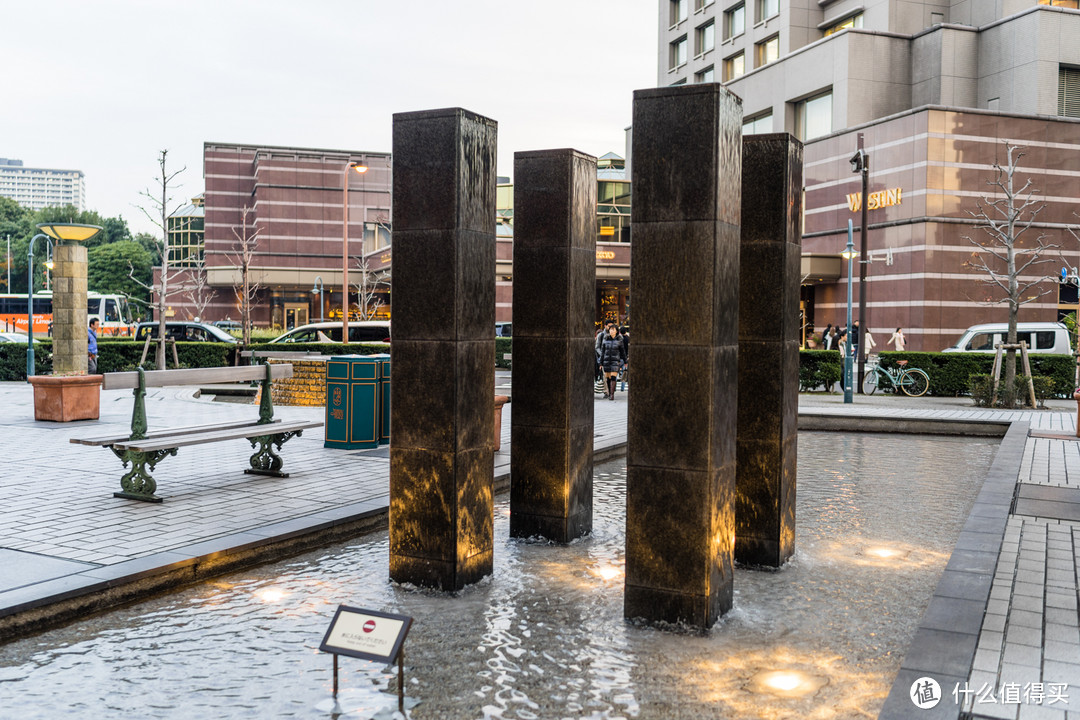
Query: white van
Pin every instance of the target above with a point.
(1041, 337)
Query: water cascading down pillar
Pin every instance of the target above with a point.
(443, 390)
(554, 278)
(769, 322)
(684, 281)
(69, 327)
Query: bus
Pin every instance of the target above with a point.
(112, 310)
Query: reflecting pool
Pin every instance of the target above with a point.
(544, 637)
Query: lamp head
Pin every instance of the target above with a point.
(860, 162)
(359, 167)
(69, 232)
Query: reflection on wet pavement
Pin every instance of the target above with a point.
(544, 636)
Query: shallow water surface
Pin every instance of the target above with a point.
(544, 637)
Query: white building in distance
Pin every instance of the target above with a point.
(37, 188)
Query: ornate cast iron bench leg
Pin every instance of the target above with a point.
(265, 461)
(137, 482)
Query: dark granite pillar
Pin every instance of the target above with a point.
(443, 354)
(684, 279)
(768, 349)
(554, 283)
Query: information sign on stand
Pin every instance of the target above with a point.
(368, 635)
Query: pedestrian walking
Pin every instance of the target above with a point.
(897, 340)
(854, 339)
(826, 337)
(625, 332)
(868, 339)
(91, 347)
(612, 357)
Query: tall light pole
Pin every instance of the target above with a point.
(860, 163)
(360, 168)
(849, 253)
(318, 288)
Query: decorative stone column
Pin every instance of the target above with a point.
(443, 354)
(684, 278)
(70, 332)
(769, 281)
(554, 280)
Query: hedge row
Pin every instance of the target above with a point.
(949, 372)
(119, 355)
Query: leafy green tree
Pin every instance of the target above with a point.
(110, 269)
(151, 244)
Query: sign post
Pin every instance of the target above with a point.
(368, 635)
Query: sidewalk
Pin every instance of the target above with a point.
(1004, 612)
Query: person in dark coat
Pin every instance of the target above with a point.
(612, 358)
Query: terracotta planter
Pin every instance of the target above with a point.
(500, 400)
(63, 399)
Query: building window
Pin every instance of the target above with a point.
(768, 51)
(735, 22)
(855, 21)
(1069, 92)
(766, 9)
(705, 38)
(758, 125)
(705, 75)
(678, 11)
(702, 4)
(680, 81)
(813, 116)
(734, 66)
(1074, 4)
(677, 53)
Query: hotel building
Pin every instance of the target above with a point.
(935, 88)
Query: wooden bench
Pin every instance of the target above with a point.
(144, 450)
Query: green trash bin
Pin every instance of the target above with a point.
(383, 361)
(353, 413)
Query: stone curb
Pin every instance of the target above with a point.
(944, 644)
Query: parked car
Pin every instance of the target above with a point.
(184, 332)
(14, 337)
(359, 332)
(229, 324)
(504, 329)
(1041, 337)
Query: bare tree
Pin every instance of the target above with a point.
(1005, 217)
(198, 292)
(366, 289)
(247, 240)
(158, 213)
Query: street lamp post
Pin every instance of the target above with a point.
(860, 164)
(849, 253)
(360, 168)
(318, 288)
(30, 306)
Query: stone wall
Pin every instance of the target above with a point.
(306, 387)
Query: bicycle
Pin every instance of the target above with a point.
(912, 381)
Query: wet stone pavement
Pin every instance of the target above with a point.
(544, 636)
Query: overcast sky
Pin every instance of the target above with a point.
(102, 86)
